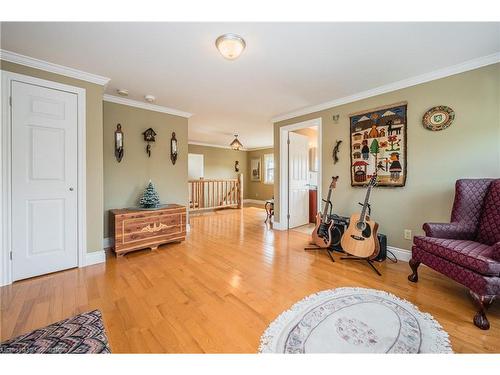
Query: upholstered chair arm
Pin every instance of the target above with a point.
(454, 231)
(496, 251)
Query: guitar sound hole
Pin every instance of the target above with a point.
(367, 232)
(360, 226)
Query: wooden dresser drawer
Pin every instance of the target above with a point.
(152, 227)
(136, 229)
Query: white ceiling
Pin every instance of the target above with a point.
(285, 67)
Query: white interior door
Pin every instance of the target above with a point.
(44, 180)
(298, 188)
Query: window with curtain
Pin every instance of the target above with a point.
(269, 168)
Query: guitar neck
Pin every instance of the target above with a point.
(325, 210)
(365, 204)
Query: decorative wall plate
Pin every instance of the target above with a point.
(438, 118)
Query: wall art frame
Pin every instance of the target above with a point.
(378, 144)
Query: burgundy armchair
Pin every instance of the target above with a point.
(468, 248)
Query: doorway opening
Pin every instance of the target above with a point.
(300, 173)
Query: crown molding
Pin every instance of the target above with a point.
(413, 81)
(228, 147)
(149, 107)
(213, 145)
(260, 148)
(52, 68)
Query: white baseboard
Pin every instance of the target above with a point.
(279, 226)
(107, 243)
(255, 201)
(400, 254)
(95, 257)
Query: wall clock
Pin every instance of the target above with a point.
(438, 118)
(149, 136)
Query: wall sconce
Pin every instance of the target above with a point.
(149, 136)
(118, 143)
(173, 148)
(236, 166)
(336, 119)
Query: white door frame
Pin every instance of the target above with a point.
(283, 188)
(6, 162)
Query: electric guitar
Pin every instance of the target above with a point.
(360, 239)
(322, 234)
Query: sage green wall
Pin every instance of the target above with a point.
(469, 148)
(259, 190)
(93, 137)
(124, 182)
(219, 163)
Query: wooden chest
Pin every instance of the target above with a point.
(135, 229)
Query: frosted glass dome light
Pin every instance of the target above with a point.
(230, 45)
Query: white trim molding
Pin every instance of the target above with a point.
(279, 226)
(107, 242)
(148, 106)
(400, 254)
(260, 148)
(254, 201)
(398, 85)
(213, 145)
(283, 166)
(228, 147)
(95, 257)
(17, 58)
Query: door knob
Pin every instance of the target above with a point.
(71, 189)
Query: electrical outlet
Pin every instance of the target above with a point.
(407, 234)
(256, 195)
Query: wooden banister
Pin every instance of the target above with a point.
(205, 194)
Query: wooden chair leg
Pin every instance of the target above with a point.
(482, 303)
(414, 267)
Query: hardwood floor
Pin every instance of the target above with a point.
(218, 291)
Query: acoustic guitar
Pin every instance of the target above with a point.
(322, 233)
(360, 239)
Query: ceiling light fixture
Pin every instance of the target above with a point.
(122, 92)
(236, 144)
(230, 45)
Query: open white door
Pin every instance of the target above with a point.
(298, 188)
(44, 180)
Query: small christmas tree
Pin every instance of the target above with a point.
(150, 198)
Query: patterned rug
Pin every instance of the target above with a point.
(354, 320)
(81, 334)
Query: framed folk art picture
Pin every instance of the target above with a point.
(378, 145)
(255, 169)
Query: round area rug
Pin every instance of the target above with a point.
(354, 320)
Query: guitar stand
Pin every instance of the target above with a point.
(368, 205)
(369, 261)
(321, 248)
